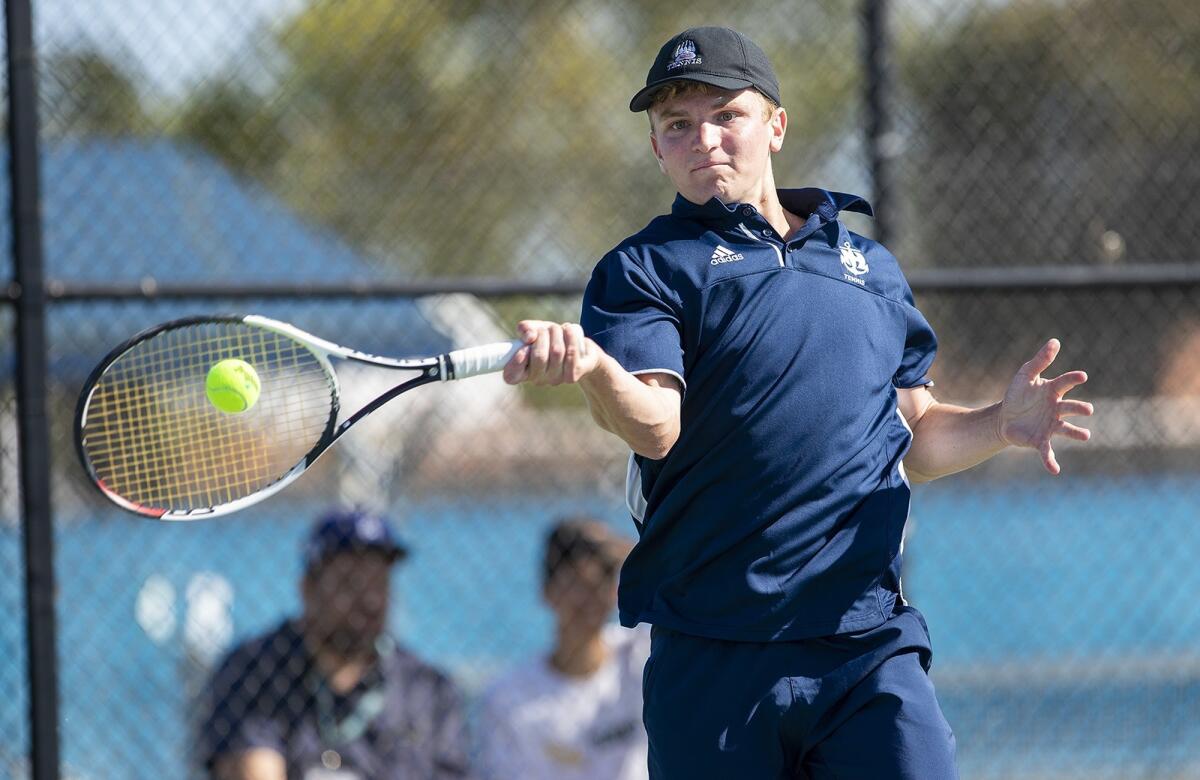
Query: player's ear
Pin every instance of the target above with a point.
(657, 154)
(778, 128)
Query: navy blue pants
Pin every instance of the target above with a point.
(849, 706)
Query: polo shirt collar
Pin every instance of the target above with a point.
(803, 202)
(806, 201)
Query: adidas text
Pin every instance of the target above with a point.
(723, 255)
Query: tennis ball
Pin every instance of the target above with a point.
(232, 385)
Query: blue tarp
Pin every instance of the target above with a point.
(123, 210)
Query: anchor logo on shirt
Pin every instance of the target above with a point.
(854, 260)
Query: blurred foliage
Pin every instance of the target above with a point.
(492, 138)
(1052, 133)
(1048, 133)
(84, 93)
(236, 125)
(475, 138)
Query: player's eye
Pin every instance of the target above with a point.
(678, 124)
(727, 116)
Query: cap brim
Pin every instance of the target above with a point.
(641, 101)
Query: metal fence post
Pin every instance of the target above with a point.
(877, 85)
(33, 430)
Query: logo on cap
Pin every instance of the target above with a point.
(685, 54)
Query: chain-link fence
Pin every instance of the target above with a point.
(368, 143)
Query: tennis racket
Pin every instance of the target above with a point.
(154, 444)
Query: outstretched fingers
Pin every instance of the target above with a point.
(1048, 459)
(1064, 384)
(1073, 408)
(1072, 431)
(1042, 360)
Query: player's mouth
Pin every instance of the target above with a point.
(708, 164)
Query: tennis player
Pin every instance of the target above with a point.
(769, 370)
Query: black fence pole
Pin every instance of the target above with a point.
(881, 140)
(33, 432)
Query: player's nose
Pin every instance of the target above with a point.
(707, 136)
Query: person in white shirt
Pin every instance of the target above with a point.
(575, 714)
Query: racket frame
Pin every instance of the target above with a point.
(440, 368)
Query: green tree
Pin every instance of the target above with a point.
(235, 124)
(492, 138)
(86, 93)
(1055, 133)
(1049, 133)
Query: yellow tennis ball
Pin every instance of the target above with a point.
(232, 385)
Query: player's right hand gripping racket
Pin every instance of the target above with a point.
(154, 444)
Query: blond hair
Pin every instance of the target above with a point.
(685, 87)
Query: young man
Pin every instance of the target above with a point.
(577, 713)
(331, 695)
(768, 368)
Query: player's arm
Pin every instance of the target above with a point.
(949, 438)
(643, 410)
(253, 764)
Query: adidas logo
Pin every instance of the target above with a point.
(723, 255)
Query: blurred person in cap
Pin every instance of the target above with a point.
(575, 713)
(769, 369)
(329, 695)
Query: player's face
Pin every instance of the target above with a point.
(346, 601)
(717, 144)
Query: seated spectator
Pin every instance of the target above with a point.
(329, 695)
(576, 713)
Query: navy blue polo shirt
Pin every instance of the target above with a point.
(778, 513)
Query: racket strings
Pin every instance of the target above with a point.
(155, 440)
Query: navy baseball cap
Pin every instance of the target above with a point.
(712, 55)
(351, 529)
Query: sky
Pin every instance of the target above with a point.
(169, 44)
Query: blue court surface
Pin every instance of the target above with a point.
(1066, 635)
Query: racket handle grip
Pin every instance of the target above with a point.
(484, 359)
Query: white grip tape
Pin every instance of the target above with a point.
(485, 359)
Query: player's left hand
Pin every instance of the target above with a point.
(1033, 408)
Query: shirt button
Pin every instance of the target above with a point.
(768, 233)
(748, 211)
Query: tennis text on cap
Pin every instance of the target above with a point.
(685, 54)
(722, 255)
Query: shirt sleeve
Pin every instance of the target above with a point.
(233, 722)
(628, 314)
(920, 348)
